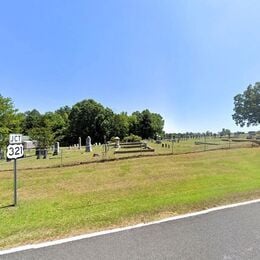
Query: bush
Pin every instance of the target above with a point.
(132, 138)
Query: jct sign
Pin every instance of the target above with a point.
(15, 147)
(15, 151)
(15, 138)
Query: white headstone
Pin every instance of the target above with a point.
(88, 144)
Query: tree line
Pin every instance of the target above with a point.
(90, 118)
(67, 124)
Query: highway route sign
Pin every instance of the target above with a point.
(14, 151)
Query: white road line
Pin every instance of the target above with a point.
(106, 232)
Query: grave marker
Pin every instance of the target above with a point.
(88, 144)
(79, 143)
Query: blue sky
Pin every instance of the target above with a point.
(184, 59)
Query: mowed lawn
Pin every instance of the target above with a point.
(61, 202)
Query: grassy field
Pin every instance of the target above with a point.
(61, 202)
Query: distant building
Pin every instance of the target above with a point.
(28, 143)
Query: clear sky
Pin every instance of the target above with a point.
(184, 59)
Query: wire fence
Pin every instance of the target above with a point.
(70, 156)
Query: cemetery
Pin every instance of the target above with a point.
(57, 156)
(107, 170)
(86, 186)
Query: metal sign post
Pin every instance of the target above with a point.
(15, 182)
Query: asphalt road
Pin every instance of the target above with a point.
(232, 233)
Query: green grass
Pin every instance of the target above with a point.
(55, 203)
(190, 146)
(66, 157)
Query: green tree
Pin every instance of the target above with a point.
(133, 124)
(157, 124)
(45, 129)
(247, 106)
(56, 124)
(64, 112)
(63, 133)
(120, 125)
(43, 135)
(10, 120)
(89, 118)
(225, 132)
(146, 124)
(32, 119)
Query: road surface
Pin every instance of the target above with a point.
(232, 233)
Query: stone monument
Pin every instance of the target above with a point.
(56, 150)
(79, 143)
(117, 144)
(88, 144)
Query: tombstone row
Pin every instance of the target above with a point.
(166, 145)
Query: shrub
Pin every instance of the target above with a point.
(132, 138)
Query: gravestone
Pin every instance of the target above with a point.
(39, 152)
(88, 144)
(117, 144)
(45, 153)
(79, 143)
(56, 150)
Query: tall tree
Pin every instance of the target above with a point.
(32, 119)
(146, 124)
(64, 136)
(120, 125)
(10, 120)
(43, 135)
(56, 124)
(225, 132)
(134, 123)
(45, 129)
(89, 118)
(247, 106)
(64, 112)
(157, 124)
